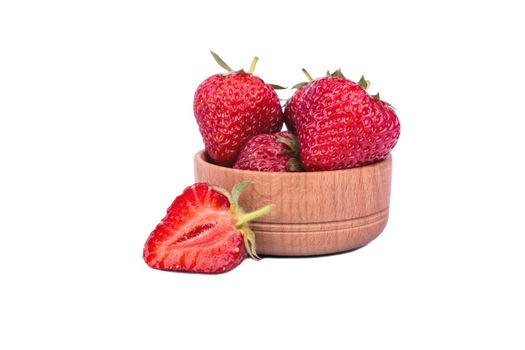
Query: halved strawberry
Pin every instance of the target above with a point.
(204, 230)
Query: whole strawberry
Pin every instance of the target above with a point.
(290, 109)
(277, 152)
(232, 107)
(204, 231)
(341, 126)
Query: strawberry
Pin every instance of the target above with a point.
(232, 107)
(291, 106)
(277, 152)
(204, 231)
(341, 126)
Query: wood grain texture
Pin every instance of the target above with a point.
(315, 212)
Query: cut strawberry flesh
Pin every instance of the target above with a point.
(195, 231)
(198, 234)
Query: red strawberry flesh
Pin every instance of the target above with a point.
(204, 230)
(200, 217)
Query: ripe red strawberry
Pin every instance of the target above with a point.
(232, 107)
(341, 126)
(204, 230)
(277, 152)
(290, 109)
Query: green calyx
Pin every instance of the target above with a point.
(301, 84)
(376, 97)
(250, 71)
(293, 164)
(365, 84)
(277, 87)
(291, 142)
(336, 74)
(242, 218)
(226, 67)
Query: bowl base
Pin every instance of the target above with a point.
(319, 238)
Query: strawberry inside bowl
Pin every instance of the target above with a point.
(314, 213)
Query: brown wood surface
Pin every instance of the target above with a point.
(315, 212)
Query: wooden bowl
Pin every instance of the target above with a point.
(315, 212)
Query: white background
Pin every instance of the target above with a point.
(97, 136)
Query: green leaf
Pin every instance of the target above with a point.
(365, 84)
(247, 233)
(389, 105)
(249, 242)
(277, 87)
(223, 192)
(294, 165)
(220, 62)
(377, 98)
(291, 142)
(337, 74)
(237, 190)
(287, 152)
(299, 85)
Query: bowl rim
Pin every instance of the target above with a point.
(200, 157)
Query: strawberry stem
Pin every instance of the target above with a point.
(242, 217)
(252, 66)
(308, 76)
(245, 217)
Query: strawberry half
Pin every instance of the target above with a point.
(203, 231)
